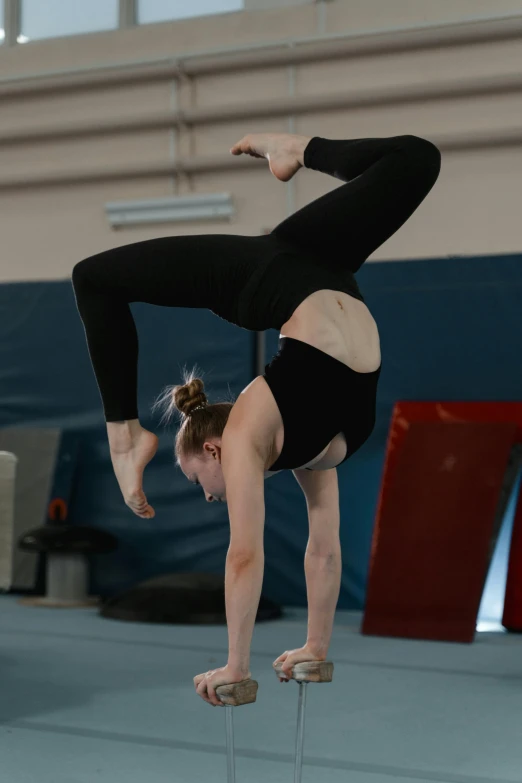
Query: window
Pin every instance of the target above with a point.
(163, 10)
(2, 32)
(54, 18)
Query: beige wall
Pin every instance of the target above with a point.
(474, 209)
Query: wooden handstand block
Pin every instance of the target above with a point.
(309, 671)
(237, 693)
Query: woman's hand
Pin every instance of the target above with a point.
(207, 683)
(300, 655)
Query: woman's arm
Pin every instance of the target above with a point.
(243, 471)
(323, 563)
(323, 583)
(243, 583)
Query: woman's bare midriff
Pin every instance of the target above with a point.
(342, 327)
(339, 325)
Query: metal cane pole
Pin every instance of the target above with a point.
(300, 732)
(234, 695)
(303, 673)
(231, 767)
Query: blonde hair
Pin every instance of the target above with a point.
(198, 424)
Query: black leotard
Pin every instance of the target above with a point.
(257, 282)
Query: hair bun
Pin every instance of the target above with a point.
(190, 396)
(183, 398)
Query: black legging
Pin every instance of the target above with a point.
(386, 180)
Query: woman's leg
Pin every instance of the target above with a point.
(386, 180)
(186, 271)
(202, 271)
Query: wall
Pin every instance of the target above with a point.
(449, 326)
(473, 210)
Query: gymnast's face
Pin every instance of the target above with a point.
(206, 471)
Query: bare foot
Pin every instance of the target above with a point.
(129, 461)
(280, 149)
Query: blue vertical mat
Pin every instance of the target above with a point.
(450, 329)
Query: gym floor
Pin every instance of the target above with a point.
(85, 699)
